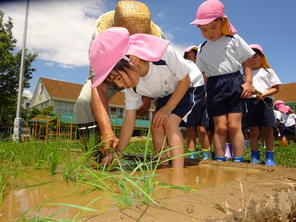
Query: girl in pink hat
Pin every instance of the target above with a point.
(260, 116)
(220, 59)
(146, 65)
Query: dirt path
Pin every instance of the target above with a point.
(267, 196)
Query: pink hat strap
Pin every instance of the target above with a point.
(147, 47)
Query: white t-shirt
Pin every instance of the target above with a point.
(161, 79)
(290, 120)
(195, 75)
(278, 115)
(264, 79)
(223, 56)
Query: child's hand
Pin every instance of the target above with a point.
(247, 90)
(260, 96)
(161, 116)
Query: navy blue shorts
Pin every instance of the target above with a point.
(191, 104)
(223, 94)
(290, 131)
(260, 113)
(282, 129)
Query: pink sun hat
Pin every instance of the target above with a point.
(111, 45)
(258, 47)
(191, 47)
(210, 10)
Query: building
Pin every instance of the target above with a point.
(63, 95)
(287, 93)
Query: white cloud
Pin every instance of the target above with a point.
(59, 31)
(49, 64)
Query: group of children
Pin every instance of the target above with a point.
(189, 90)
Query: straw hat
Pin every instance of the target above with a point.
(132, 15)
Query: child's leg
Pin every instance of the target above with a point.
(175, 139)
(235, 133)
(254, 138)
(267, 135)
(203, 137)
(159, 141)
(191, 138)
(220, 134)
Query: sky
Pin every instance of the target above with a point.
(60, 31)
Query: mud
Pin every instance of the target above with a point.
(266, 196)
(226, 192)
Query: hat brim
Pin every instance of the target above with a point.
(202, 21)
(98, 79)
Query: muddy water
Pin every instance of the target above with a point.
(55, 190)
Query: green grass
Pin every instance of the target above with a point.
(125, 187)
(284, 156)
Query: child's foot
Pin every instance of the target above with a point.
(270, 163)
(238, 159)
(270, 159)
(221, 159)
(192, 154)
(206, 155)
(255, 157)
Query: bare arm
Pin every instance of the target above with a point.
(273, 90)
(127, 129)
(163, 113)
(99, 105)
(247, 86)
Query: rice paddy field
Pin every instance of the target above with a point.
(58, 181)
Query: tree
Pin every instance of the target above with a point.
(10, 60)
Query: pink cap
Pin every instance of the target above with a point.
(258, 47)
(278, 102)
(210, 10)
(189, 48)
(112, 44)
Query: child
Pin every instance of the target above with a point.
(153, 69)
(290, 124)
(220, 59)
(280, 106)
(260, 106)
(197, 120)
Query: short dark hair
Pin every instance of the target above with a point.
(194, 50)
(122, 65)
(257, 51)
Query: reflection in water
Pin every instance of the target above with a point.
(58, 191)
(200, 177)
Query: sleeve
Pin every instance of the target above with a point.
(200, 64)
(273, 78)
(176, 63)
(132, 100)
(244, 49)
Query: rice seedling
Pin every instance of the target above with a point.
(2, 189)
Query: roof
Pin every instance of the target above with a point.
(71, 91)
(287, 93)
(62, 90)
(118, 99)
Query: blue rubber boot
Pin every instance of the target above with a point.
(255, 157)
(192, 154)
(206, 154)
(239, 159)
(221, 159)
(270, 159)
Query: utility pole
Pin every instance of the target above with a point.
(18, 119)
